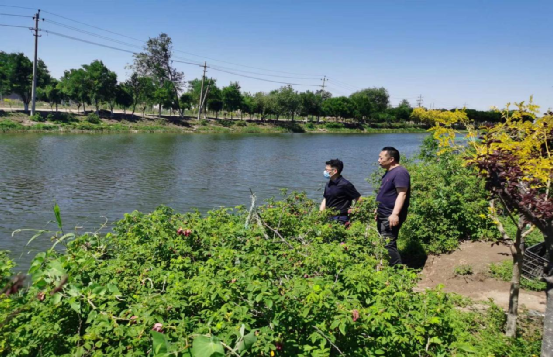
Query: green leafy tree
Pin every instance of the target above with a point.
(75, 86)
(232, 98)
(370, 101)
(123, 97)
(185, 101)
(247, 104)
(156, 62)
(288, 101)
(101, 83)
(215, 100)
(52, 93)
(339, 107)
(18, 76)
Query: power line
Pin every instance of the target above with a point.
(24, 27)
(96, 27)
(4, 14)
(263, 74)
(266, 80)
(18, 7)
(86, 41)
(176, 50)
(178, 61)
(91, 33)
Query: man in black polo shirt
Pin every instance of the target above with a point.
(339, 192)
(393, 200)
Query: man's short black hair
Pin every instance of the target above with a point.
(336, 164)
(392, 152)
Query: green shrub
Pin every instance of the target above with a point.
(280, 281)
(504, 271)
(93, 118)
(66, 118)
(8, 124)
(226, 122)
(41, 126)
(448, 204)
(463, 269)
(310, 126)
(50, 117)
(333, 125)
(241, 123)
(204, 122)
(37, 117)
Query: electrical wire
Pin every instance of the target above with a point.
(19, 7)
(266, 80)
(178, 61)
(185, 52)
(86, 41)
(25, 27)
(96, 27)
(91, 33)
(4, 14)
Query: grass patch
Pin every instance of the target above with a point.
(504, 271)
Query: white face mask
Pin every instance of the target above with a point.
(327, 175)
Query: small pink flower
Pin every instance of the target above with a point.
(40, 296)
(158, 327)
(355, 315)
(133, 319)
(179, 231)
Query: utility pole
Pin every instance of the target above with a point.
(33, 91)
(324, 80)
(202, 91)
(419, 101)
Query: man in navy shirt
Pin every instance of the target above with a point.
(393, 200)
(339, 193)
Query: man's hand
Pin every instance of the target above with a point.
(394, 220)
(375, 215)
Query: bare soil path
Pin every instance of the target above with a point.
(478, 286)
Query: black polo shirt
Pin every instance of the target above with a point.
(339, 193)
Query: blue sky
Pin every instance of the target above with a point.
(478, 53)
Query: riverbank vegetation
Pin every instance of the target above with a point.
(272, 279)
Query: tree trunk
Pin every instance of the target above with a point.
(159, 111)
(292, 117)
(512, 313)
(26, 106)
(216, 115)
(56, 107)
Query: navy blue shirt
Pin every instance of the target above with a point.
(339, 194)
(392, 179)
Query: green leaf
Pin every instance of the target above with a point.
(379, 352)
(467, 348)
(161, 345)
(247, 342)
(58, 215)
(204, 346)
(57, 298)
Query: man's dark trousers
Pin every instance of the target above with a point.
(390, 234)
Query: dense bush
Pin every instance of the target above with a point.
(93, 118)
(448, 203)
(37, 117)
(334, 125)
(8, 124)
(281, 281)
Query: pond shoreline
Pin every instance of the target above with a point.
(71, 123)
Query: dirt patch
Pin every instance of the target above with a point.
(477, 286)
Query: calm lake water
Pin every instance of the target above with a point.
(92, 176)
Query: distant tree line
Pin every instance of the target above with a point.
(155, 83)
